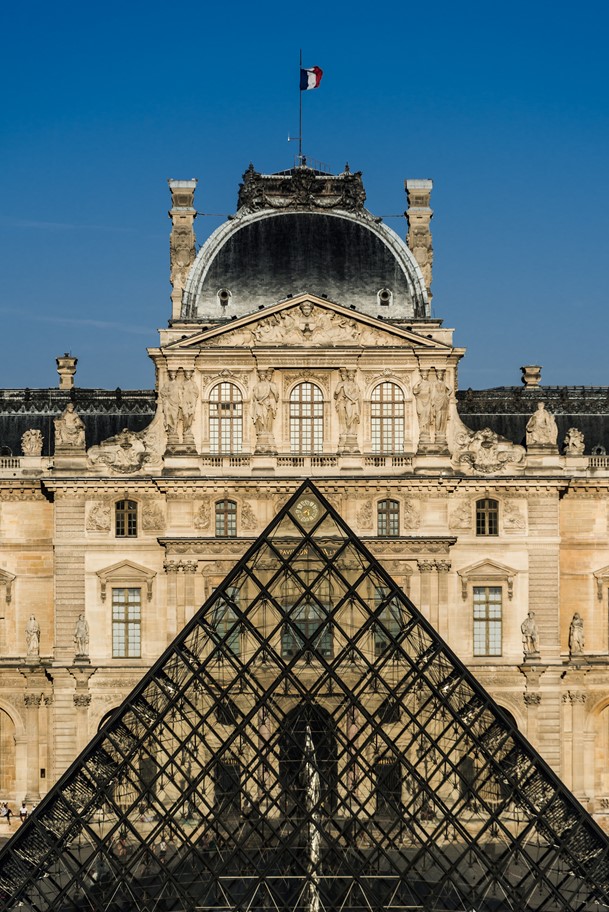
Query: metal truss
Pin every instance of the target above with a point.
(309, 743)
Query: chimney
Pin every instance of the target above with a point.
(531, 376)
(66, 368)
(182, 241)
(419, 215)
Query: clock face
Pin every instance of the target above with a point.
(306, 511)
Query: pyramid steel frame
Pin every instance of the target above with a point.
(308, 742)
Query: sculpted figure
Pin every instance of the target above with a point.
(352, 397)
(69, 429)
(265, 401)
(340, 399)
(81, 636)
(188, 400)
(576, 635)
(179, 401)
(32, 636)
(574, 442)
(440, 400)
(422, 392)
(530, 635)
(31, 443)
(541, 428)
(170, 398)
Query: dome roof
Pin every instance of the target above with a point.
(302, 231)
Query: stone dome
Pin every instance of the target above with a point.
(304, 231)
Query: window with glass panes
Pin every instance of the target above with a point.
(126, 623)
(487, 517)
(306, 419)
(225, 419)
(388, 518)
(387, 417)
(126, 519)
(225, 621)
(487, 620)
(387, 630)
(309, 629)
(226, 519)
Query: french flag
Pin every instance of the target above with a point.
(310, 79)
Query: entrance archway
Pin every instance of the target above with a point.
(292, 752)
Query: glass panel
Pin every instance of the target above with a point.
(225, 419)
(306, 419)
(387, 418)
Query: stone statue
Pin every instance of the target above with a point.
(352, 396)
(179, 401)
(265, 399)
(31, 442)
(422, 393)
(32, 636)
(576, 635)
(69, 430)
(440, 400)
(530, 635)
(541, 428)
(574, 442)
(81, 636)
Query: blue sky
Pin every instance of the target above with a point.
(505, 106)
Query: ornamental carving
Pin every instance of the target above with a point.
(364, 515)
(418, 546)
(308, 376)
(486, 452)
(532, 699)
(513, 518)
(302, 188)
(82, 700)
(32, 700)
(31, 442)
(128, 451)
(411, 518)
(227, 375)
(248, 517)
(152, 518)
(202, 516)
(574, 696)
(99, 518)
(460, 517)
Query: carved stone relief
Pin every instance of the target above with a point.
(291, 377)
(248, 517)
(411, 516)
(129, 451)
(153, 519)
(202, 516)
(513, 518)
(99, 517)
(460, 517)
(364, 516)
(485, 451)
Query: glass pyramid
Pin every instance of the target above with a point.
(308, 742)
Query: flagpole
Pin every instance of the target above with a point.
(300, 113)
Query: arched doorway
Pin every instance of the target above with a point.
(293, 733)
(7, 755)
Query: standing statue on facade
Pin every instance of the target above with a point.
(541, 428)
(440, 401)
(574, 442)
(81, 636)
(422, 393)
(179, 401)
(31, 442)
(576, 635)
(347, 398)
(432, 397)
(530, 635)
(32, 636)
(265, 399)
(69, 430)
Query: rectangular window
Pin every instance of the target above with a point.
(126, 623)
(487, 620)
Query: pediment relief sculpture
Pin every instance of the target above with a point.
(485, 452)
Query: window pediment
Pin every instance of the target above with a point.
(602, 580)
(127, 573)
(487, 571)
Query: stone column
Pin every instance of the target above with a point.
(443, 568)
(532, 701)
(426, 569)
(575, 700)
(171, 569)
(32, 724)
(186, 607)
(182, 241)
(82, 701)
(419, 215)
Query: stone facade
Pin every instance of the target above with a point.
(136, 527)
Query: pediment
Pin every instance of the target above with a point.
(488, 571)
(126, 572)
(310, 322)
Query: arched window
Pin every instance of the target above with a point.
(487, 517)
(225, 419)
(226, 519)
(387, 416)
(126, 519)
(388, 518)
(306, 419)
